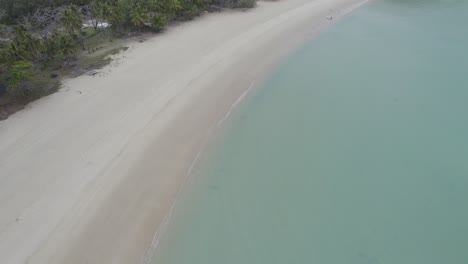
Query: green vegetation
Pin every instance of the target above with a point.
(44, 40)
(158, 22)
(19, 73)
(71, 20)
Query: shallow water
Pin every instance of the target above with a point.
(355, 151)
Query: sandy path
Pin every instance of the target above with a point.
(87, 174)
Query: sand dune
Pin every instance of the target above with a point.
(89, 173)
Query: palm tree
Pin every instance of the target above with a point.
(65, 45)
(100, 10)
(71, 20)
(139, 16)
(154, 5)
(115, 14)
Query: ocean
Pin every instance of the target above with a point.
(354, 150)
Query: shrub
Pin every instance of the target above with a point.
(6, 57)
(20, 72)
(158, 22)
(25, 46)
(170, 8)
(138, 16)
(188, 11)
(245, 4)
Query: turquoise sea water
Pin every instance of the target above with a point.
(354, 152)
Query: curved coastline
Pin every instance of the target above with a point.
(109, 163)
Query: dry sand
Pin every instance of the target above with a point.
(89, 173)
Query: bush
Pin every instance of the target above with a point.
(138, 16)
(167, 7)
(245, 4)
(188, 11)
(20, 72)
(6, 57)
(158, 22)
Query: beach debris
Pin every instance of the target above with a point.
(329, 17)
(93, 73)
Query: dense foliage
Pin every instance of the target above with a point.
(15, 9)
(35, 32)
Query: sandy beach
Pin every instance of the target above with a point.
(88, 174)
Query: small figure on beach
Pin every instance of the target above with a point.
(329, 17)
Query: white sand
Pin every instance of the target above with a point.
(88, 174)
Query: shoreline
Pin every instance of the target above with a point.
(113, 161)
(212, 137)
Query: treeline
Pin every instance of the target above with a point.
(35, 39)
(34, 33)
